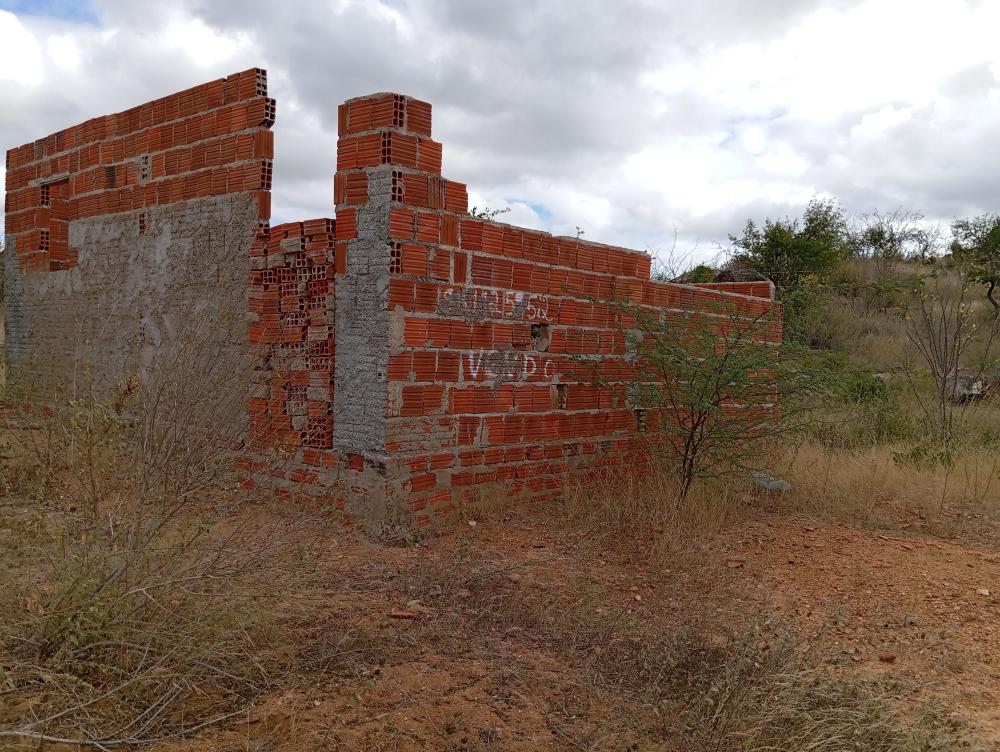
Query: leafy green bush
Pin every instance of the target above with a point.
(791, 252)
(866, 410)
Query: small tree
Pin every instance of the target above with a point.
(977, 243)
(799, 256)
(789, 251)
(711, 384)
(941, 328)
(888, 239)
(884, 241)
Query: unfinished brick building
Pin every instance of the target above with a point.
(406, 355)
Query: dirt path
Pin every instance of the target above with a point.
(909, 611)
(922, 610)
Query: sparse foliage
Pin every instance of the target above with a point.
(487, 213)
(679, 265)
(941, 327)
(977, 243)
(884, 241)
(714, 381)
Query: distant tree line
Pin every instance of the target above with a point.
(802, 255)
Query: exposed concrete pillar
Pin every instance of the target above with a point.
(362, 322)
(380, 137)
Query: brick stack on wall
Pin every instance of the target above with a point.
(408, 359)
(124, 226)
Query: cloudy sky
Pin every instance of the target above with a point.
(635, 120)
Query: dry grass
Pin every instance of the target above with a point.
(850, 325)
(872, 486)
(648, 507)
(125, 619)
(711, 672)
(136, 602)
(870, 322)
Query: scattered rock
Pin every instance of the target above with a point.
(966, 386)
(983, 591)
(768, 483)
(399, 613)
(735, 563)
(887, 657)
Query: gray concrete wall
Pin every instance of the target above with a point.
(162, 297)
(362, 326)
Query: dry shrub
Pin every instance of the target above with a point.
(636, 508)
(183, 638)
(141, 606)
(759, 692)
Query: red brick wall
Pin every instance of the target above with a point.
(489, 326)
(484, 338)
(211, 140)
(292, 308)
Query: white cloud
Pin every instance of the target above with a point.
(656, 117)
(202, 44)
(63, 51)
(20, 53)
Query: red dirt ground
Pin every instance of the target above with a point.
(463, 665)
